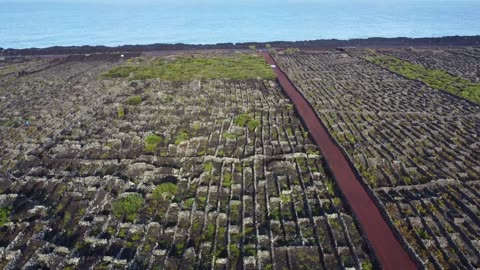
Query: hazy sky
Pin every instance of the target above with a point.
(233, 2)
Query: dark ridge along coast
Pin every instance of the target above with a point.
(308, 44)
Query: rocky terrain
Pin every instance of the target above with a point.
(155, 161)
(416, 147)
(112, 173)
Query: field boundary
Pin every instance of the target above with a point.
(389, 250)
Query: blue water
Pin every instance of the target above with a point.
(24, 25)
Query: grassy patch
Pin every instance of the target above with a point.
(128, 207)
(120, 72)
(134, 100)
(151, 142)
(438, 79)
(185, 68)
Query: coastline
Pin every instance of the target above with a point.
(374, 42)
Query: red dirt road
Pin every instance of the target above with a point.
(387, 248)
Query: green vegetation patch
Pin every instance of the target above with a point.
(229, 136)
(134, 100)
(5, 215)
(120, 111)
(227, 180)
(185, 68)
(128, 207)
(189, 202)
(151, 142)
(438, 79)
(182, 136)
(208, 167)
(247, 120)
(164, 192)
(291, 50)
(253, 124)
(120, 72)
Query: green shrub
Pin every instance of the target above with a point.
(253, 124)
(208, 167)
(209, 233)
(151, 142)
(229, 136)
(291, 50)
(134, 100)
(182, 136)
(227, 180)
(250, 251)
(330, 187)
(246, 120)
(286, 198)
(189, 202)
(367, 265)
(234, 250)
(423, 234)
(177, 250)
(66, 219)
(164, 192)
(242, 119)
(128, 207)
(120, 111)
(202, 199)
(5, 215)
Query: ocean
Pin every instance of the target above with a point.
(42, 24)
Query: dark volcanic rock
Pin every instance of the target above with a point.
(307, 44)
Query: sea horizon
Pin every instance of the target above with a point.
(211, 22)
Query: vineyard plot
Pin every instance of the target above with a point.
(414, 147)
(112, 173)
(463, 62)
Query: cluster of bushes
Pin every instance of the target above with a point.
(127, 208)
(438, 79)
(238, 67)
(246, 120)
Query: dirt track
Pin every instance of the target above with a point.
(388, 249)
